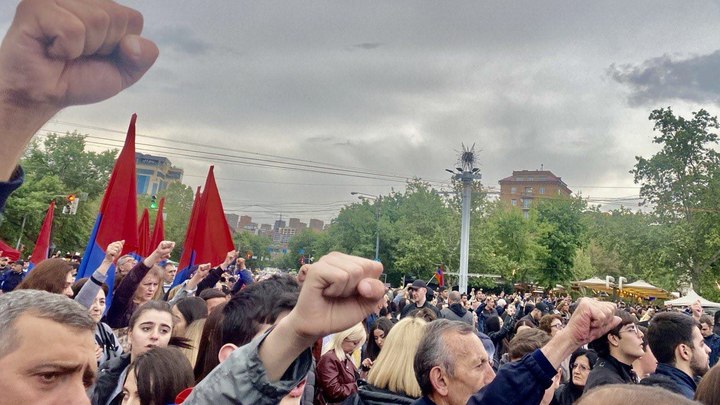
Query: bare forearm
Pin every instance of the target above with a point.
(17, 127)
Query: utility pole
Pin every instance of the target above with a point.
(467, 173)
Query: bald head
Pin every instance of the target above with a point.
(454, 297)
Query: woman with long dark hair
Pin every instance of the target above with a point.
(581, 362)
(157, 377)
(376, 338)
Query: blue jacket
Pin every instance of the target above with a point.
(672, 379)
(10, 280)
(713, 342)
(518, 383)
(9, 186)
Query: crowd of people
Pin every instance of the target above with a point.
(350, 339)
(331, 334)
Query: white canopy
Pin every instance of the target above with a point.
(595, 284)
(645, 290)
(690, 298)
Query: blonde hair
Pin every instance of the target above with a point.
(393, 369)
(355, 333)
(193, 334)
(157, 272)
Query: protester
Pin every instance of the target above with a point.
(485, 311)
(51, 275)
(378, 332)
(13, 277)
(169, 272)
(138, 287)
(392, 379)
(107, 344)
(452, 366)
(47, 350)
(245, 277)
(213, 297)
(525, 342)
(186, 311)
(681, 353)
(551, 324)
(455, 310)
(336, 374)
(617, 350)
(712, 340)
(581, 362)
(419, 292)
(149, 327)
(535, 313)
(645, 365)
(210, 344)
(499, 332)
(157, 377)
(708, 391)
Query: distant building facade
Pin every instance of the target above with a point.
(155, 173)
(525, 186)
(232, 220)
(316, 225)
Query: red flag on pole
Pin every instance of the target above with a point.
(42, 245)
(187, 257)
(213, 239)
(159, 230)
(117, 219)
(144, 235)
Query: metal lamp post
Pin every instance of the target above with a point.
(376, 199)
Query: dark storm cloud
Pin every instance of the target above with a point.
(665, 78)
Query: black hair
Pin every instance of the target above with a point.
(210, 293)
(161, 374)
(492, 324)
(373, 350)
(257, 304)
(667, 330)
(601, 344)
(192, 308)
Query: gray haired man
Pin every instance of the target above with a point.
(47, 349)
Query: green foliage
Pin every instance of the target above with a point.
(54, 168)
(177, 209)
(258, 245)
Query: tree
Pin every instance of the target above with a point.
(54, 168)
(177, 209)
(566, 233)
(681, 182)
(258, 245)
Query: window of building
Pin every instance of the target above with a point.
(513, 190)
(514, 203)
(542, 190)
(528, 190)
(526, 214)
(526, 203)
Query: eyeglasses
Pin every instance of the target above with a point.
(579, 366)
(631, 329)
(557, 326)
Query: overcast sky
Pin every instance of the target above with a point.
(395, 87)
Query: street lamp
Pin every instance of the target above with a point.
(376, 199)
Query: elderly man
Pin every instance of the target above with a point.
(681, 352)
(453, 368)
(124, 265)
(64, 368)
(419, 292)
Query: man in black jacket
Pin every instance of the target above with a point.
(419, 291)
(680, 350)
(616, 351)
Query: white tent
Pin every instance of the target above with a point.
(644, 289)
(690, 298)
(595, 284)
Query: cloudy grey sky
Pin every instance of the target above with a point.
(395, 87)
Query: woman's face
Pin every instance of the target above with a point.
(130, 390)
(179, 322)
(98, 306)
(580, 370)
(152, 329)
(379, 336)
(69, 279)
(147, 288)
(349, 346)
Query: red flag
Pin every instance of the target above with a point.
(144, 235)
(42, 245)
(212, 239)
(186, 257)
(117, 219)
(159, 230)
